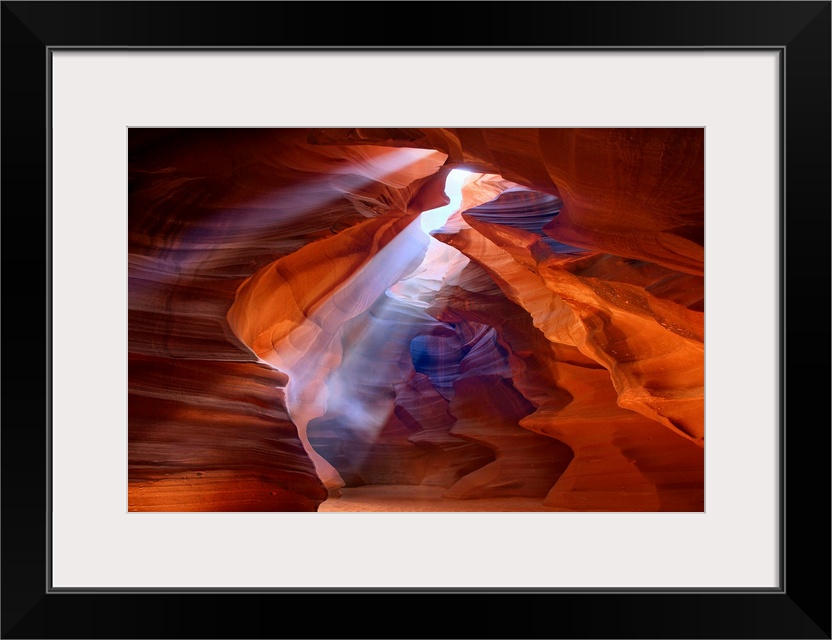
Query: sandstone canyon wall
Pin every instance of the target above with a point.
(297, 329)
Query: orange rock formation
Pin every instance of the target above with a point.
(294, 330)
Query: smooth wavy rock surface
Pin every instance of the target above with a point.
(298, 330)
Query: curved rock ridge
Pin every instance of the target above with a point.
(633, 192)
(180, 410)
(651, 346)
(207, 208)
(293, 315)
(622, 460)
(525, 209)
(294, 330)
(296, 315)
(488, 410)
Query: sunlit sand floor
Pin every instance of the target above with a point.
(396, 498)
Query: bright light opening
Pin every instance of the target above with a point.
(436, 218)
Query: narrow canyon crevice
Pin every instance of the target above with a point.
(298, 329)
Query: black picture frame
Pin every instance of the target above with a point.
(800, 608)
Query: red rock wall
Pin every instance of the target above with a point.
(208, 427)
(555, 350)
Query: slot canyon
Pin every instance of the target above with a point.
(469, 319)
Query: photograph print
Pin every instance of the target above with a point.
(416, 320)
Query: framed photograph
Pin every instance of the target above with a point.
(492, 312)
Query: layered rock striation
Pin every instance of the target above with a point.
(296, 329)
